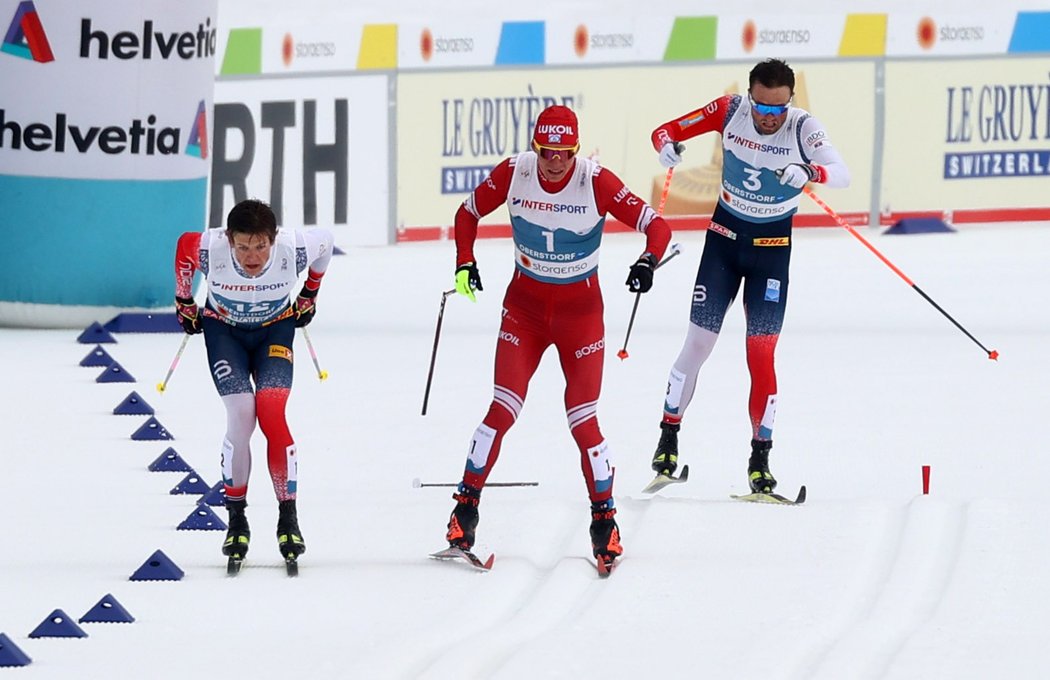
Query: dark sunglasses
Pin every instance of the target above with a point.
(551, 154)
(768, 109)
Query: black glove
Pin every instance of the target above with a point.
(188, 315)
(468, 280)
(304, 307)
(640, 279)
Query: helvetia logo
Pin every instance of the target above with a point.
(25, 36)
(198, 142)
(141, 137)
(148, 44)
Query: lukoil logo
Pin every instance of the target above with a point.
(25, 36)
(139, 138)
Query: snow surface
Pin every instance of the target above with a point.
(869, 579)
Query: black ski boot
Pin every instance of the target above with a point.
(665, 460)
(238, 534)
(464, 519)
(289, 538)
(758, 474)
(605, 534)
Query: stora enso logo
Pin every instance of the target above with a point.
(25, 36)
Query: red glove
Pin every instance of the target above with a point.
(188, 315)
(304, 307)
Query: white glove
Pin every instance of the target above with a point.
(670, 154)
(796, 175)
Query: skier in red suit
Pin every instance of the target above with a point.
(558, 203)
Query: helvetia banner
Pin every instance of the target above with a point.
(105, 116)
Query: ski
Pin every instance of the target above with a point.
(606, 566)
(233, 565)
(661, 480)
(773, 498)
(454, 553)
(291, 565)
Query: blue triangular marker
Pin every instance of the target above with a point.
(96, 358)
(151, 430)
(919, 225)
(169, 461)
(202, 519)
(133, 405)
(95, 333)
(11, 655)
(158, 567)
(58, 624)
(190, 484)
(216, 496)
(114, 373)
(108, 610)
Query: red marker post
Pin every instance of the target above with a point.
(925, 480)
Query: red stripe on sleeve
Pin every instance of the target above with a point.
(187, 262)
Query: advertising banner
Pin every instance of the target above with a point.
(316, 148)
(794, 35)
(104, 154)
(450, 43)
(453, 128)
(275, 44)
(946, 33)
(968, 134)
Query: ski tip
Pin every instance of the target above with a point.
(801, 498)
(684, 474)
(487, 564)
(605, 567)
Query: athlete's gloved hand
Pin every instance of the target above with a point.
(797, 174)
(188, 315)
(640, 279)
(671, 154)
(304, 307)
(468, 280)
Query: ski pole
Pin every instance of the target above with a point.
(433, 353)
(992, 354)
(321, 375)
(667, 188)
(659, 211)
(161, 386)
(416, 484)
(675, 251)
